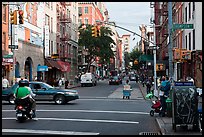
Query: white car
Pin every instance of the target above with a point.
(88, 79)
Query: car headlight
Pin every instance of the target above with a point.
(72, 93)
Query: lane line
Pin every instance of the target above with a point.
(48, 132)
(89, 111)
(83, 120)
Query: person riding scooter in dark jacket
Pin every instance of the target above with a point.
(23, 94)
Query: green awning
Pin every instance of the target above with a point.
(146, 58)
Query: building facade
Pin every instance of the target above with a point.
(186, 42)
(6, 52)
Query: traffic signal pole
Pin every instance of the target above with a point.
(170, 40)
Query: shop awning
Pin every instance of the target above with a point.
(146, 58)
(66, 67)
(61, 65)
(53, 64)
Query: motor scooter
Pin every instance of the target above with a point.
(23, 112)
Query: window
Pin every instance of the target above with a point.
(51, 47)
(51, 24)
(186, 41)
(186, 14)
(189, 41)
(193, 6)
(47, 20)
(51, 3)
(86, 10)
(4, 13)
(86, 21)
(193, 39)
(189, 11)
(47, 4)
(80, 10)
(36, 86)
(58, 48)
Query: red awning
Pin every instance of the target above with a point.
(61, 65)
(65, 66)
(53, 64)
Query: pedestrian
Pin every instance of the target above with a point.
(164, 93)
(63, 80)
(148, 85)
(5, 82)
(66, 84)
(60, 83)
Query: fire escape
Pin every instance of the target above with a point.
(63, 20)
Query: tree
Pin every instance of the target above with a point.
(96, 46)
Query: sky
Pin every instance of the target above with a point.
(129, 15)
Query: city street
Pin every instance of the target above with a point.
(93, 114)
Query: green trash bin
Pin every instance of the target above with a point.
(169, 107)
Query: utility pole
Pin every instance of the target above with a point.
(170, 46)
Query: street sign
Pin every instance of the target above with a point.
(13, 46)
(8, 56)
(182, 26)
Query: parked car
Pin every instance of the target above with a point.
(44, 92)
(132, 77)
(115, 80)
(88, 79)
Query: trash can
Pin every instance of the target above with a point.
(169, 107)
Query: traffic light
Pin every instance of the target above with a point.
(135, 62)
(20, 13)
(98, 31)
(183, 54)
(159, 67)
(13, 17)
(93, 31)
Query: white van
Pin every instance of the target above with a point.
(88, 79)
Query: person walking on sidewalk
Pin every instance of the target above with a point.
(164, 93)
(5, 83)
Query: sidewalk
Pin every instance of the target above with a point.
(165, 123)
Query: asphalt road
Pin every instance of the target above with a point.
(93, 114)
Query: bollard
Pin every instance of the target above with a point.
(169, 107)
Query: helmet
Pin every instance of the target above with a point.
(23, 83)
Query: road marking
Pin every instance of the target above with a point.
(83, 120)
(47, 132)
(90, 111)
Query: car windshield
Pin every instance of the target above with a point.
(47, 86)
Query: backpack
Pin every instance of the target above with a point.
(165, 86)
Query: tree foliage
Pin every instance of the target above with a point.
(96, 47)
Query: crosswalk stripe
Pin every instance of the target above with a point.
(48, 132)
(84, 120)
(90, 111)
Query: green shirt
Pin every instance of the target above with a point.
(22, 92)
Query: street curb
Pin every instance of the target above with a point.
(141, 91)
(161, 125)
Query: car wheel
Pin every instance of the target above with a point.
(11, 99)
(59, 99)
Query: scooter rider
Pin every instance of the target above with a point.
(25, 94)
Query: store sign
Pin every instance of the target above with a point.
(46, 52)
(42, 68)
